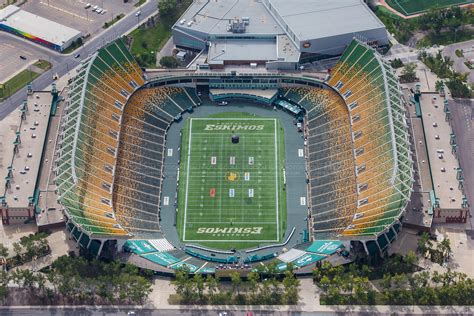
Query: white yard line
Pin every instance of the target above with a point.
(276, 181)
(232, 240)
(242, 164)
(187, 177)
(243, 222)
(231, 119)
(219, 172)
(218, 135)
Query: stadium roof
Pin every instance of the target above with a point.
(239, 50)
(262, 50)
(333, 17)
(213, 17)
(32, 25)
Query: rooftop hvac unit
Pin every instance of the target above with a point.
(236, 26)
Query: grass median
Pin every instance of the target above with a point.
(16, 83)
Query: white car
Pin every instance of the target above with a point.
(138, 13)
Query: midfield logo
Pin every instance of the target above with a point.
(230, 230)
(233, 127)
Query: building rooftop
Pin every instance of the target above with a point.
(32, 25)
(334, 17)
(444, 163)
(262, 50)
(286, 49)
(26, 162)
(8, 129)
(213, 17)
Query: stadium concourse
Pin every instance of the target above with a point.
(119, 182)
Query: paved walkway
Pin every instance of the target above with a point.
(166, 50)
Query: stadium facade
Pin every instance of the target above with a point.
(109, 170)
(279, 33)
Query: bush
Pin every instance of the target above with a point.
(146, 59)
(459, 53)
(396, 63)
(169, 62)
(458, 88)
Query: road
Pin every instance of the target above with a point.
(463, 119)
(64, 63)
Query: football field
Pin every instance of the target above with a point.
(231, 195)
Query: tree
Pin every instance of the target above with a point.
(361, 289)
(409, 72)
(139, 289)
(457, 85)
(424, 243)
(325, 283)
(28, 279)
(146, 59)
(30, 249)
(183, 284)
(396, 63)
(439, 85)
(445, 248)
(167, 7)
(4, 279)
(253, 279)
(236, 282)
(17, 248)
(198, 281)
(169, 62)
(291, 285)
(212, 285)
(3, 251)
(410, 258)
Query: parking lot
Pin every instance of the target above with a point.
(74, 14)
(459, 62)
(11, 49)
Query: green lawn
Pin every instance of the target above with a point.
(43, 64)
(410, 7)
(446, 38)
(114, 20)
(232, 195)
(139, 3)
(16, 83)
(146, 41)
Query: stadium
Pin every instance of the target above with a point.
(204, 170)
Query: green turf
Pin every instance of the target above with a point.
(43, 64)
(16, 83)
(410, 7)
(241, 221)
